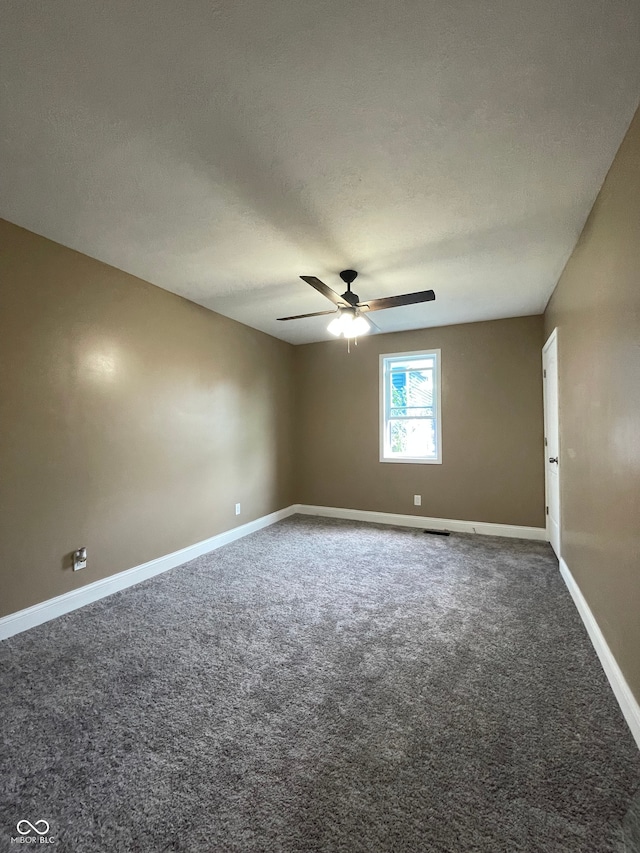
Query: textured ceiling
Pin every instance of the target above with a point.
(220, 150)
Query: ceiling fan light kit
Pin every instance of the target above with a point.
(350, 323)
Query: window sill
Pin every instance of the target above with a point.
(411, 461)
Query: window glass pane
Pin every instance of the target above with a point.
(413, 438)
(411, 393)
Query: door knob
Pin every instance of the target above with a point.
(553, 459)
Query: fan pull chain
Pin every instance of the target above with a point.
(355, 341)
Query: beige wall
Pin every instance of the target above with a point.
(131, 420)
(596, 308)
(492, 441)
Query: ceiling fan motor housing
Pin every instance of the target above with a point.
(348, 276)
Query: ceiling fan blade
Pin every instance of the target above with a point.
(322, 288)
(302, 316)
(397, 301)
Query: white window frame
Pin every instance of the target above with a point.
(412, 460)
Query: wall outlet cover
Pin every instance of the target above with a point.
(79, 559)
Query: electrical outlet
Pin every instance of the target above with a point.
(80, 559)
(237, 509)
(417, 500)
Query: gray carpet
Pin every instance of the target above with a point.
(322, 686)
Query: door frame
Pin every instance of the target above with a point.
(552, 341)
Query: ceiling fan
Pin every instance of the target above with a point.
(350, 321)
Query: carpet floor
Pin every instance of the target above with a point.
(322, 686)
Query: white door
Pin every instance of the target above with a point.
(551, 439)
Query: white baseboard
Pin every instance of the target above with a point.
(14, 623)
(484, 527)
(627, 701)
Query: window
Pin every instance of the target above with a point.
(410, 407)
